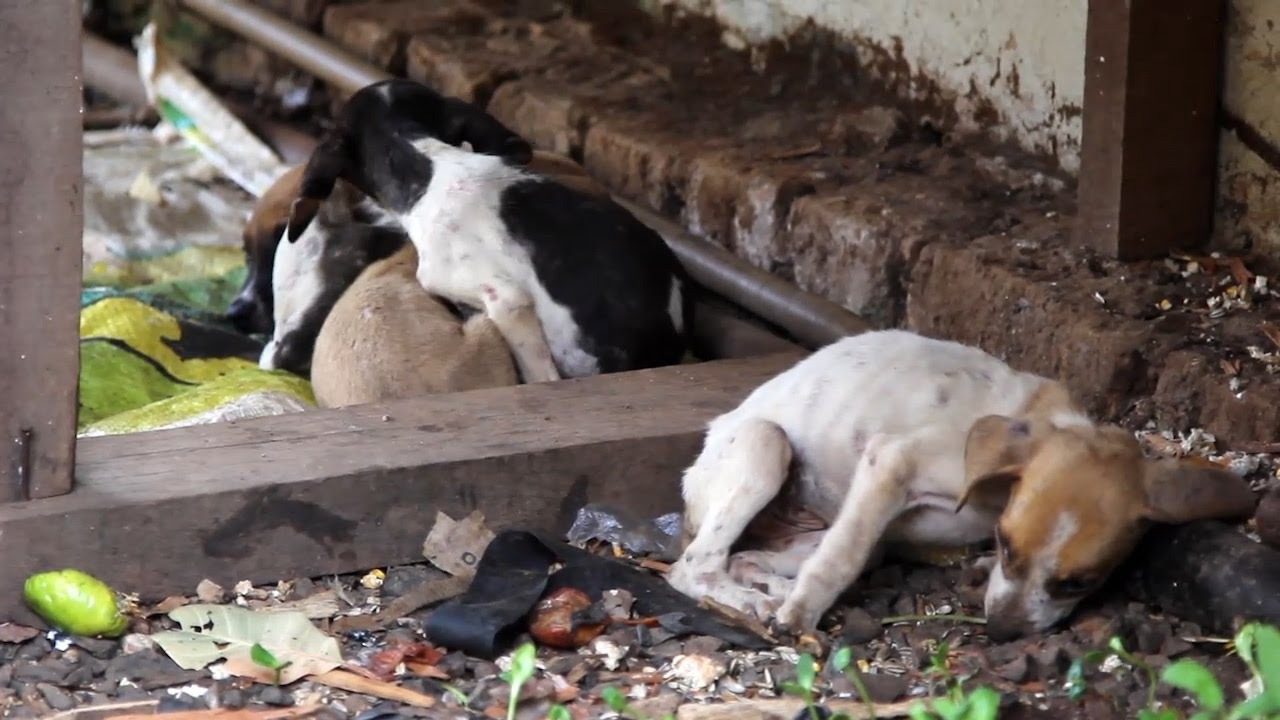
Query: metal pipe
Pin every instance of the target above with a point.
(812, 320)
(114, 71)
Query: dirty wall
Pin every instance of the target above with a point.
(1014, 70)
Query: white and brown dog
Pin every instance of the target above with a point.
(893, 438)
(575, 284)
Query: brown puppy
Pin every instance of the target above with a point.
(386, 338)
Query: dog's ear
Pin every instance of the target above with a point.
(995, 452)
(329, 162)
(467, 123)
(1179, 491)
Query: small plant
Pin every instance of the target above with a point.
(522, 669)
(1258, 646)
(956, 703)
(804, 684)
(263, 657)
(559, 712)
(842, 660)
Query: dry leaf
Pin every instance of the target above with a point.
(1231, 367)
(351, 682)
(456, 546)
(14, 633)
(1239, 272)
(320, 606)
(426, 670)
(227, 632)
(167, 605)
(1272, 333)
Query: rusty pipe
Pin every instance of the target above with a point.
(812, 320)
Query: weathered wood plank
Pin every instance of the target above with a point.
(40, 229)
(340, 490)
(1150, 138)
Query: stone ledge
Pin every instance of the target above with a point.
(845, 198)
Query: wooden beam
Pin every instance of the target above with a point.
(40, 229)
(335, 491)
(1153, 79)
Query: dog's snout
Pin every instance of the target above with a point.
(1005, 628)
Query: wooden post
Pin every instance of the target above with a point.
(41, 224)
(1148, 161)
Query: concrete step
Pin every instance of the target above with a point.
(804, 169)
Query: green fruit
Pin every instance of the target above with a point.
(75, 602)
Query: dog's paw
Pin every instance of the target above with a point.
(798, 616)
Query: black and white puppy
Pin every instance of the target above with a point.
(576, 285)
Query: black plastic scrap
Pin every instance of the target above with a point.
(514, 574)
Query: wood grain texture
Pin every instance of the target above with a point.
(334, 491)
(40, 230)
(1150, 136)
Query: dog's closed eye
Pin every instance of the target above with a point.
(1071, 586)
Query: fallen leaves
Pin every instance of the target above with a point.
(456, 546)
(351, 682)
(225, 632)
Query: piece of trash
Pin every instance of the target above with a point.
(186, 104)
(516, 571)
(609, 652)
(1165, 305)
(659, 537)
(75, 602)
(242, 588)
(145, 189)
(373, 579)
(192, 691)
(455, 546)
(385, 663)
(695, 672)
(226, 632)
(15, 633)
(553, 622)
(617, 604)
(60, 640)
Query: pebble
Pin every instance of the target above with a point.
(1015, 670)
(277, 696)
(860, 627)
(1174, 646)
(401, 580)
(1151, 635)
(232, 698)
(703, 645)
(34, 649)
(905, 604)
(885, 688)
(149, 670)
(48, 673)
(56, 697)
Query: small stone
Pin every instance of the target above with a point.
(303, 587)
(232, 699)
(80, 677)
(149, 670)
(885, 688)
(1174, 646)
(208, 591)
(401, 580)
(695, 672)
(860, 627)
(274, 695)
(1052, 661)
(1014, 671)
(135, 643)
(97, 647)
(703, 645)
(56, 697)
(905, 604)
(656, 707)
(666, 650)
(44, 672)
(1267, 518)
(1151, 635)
(1002, 654)
(617, 603)
(34, 649)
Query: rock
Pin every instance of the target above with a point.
(56, 697)
(1014, 671)
(860, 627)
(1151, 635)
(149, 670)
(455, 663)
(43, 672)
(34, 649)
(232, 699)
(1002, 654)
(276, 696)
(1173, 646)
(656, 707)
(1267, 517)
(905, 604)
(401, 580)
(703, 645)
(97, 647)
(666, 650)
(208, 591)
(885, 688)
(80, 677)
(1051, 660)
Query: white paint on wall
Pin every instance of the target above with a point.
(1024, 59)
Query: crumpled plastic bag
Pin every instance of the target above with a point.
(658, 538)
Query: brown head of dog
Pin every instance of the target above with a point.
(252, 309)
(1079, 498)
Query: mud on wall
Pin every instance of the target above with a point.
(1014, 70)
